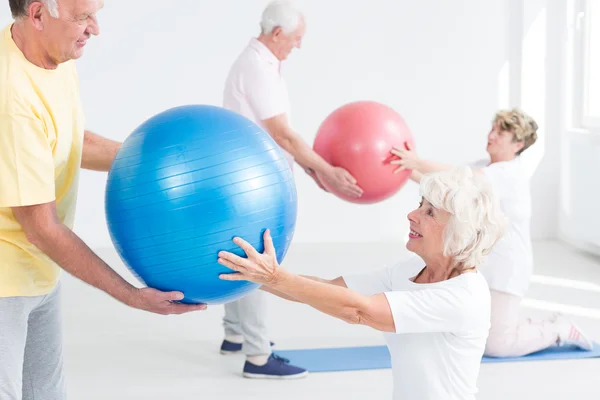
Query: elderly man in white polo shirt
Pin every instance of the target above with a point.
(255, 88)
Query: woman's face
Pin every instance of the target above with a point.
(427, 225)
(501, 143)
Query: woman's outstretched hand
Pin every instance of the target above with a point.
(407, 158)
(258, 268)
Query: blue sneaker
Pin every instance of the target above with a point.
(228, 347)
(275, 368)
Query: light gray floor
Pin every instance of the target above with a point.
(116, 353)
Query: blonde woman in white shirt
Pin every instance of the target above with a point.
(509, 267)
(434, 308)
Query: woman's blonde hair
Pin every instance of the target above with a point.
(518, 123)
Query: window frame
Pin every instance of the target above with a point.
(581, 67)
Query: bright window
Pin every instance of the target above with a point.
(591, 58)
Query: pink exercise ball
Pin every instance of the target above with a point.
(358, 137)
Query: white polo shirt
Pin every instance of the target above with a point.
(255, 87)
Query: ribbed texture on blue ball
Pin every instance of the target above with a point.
(183, 185)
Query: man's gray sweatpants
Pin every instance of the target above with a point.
(31, 360)
(246, 317)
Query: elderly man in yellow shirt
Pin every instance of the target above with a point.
(42, 148)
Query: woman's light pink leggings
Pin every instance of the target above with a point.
(511, 337)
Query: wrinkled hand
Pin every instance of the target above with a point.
(163, 303)
(258, 268)
(310, 172)
(343, 182)
(408, 158)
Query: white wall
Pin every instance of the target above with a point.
(580, 148)
(539, 95)
(445, 66)
(580, 186)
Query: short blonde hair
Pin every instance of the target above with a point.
(476, 221)
(518, 123)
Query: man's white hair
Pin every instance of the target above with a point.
(476, 221)
(51, 5)
(282, 14)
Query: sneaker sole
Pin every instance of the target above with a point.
(261, 376)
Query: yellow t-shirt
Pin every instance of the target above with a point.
(41, 141)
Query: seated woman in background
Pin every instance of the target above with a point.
(434, 308)
(509, 267)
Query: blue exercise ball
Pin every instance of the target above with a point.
(183, 185)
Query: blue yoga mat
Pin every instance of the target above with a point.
(378, 357)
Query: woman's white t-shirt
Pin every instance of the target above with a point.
(441, 330)
(509, 266)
